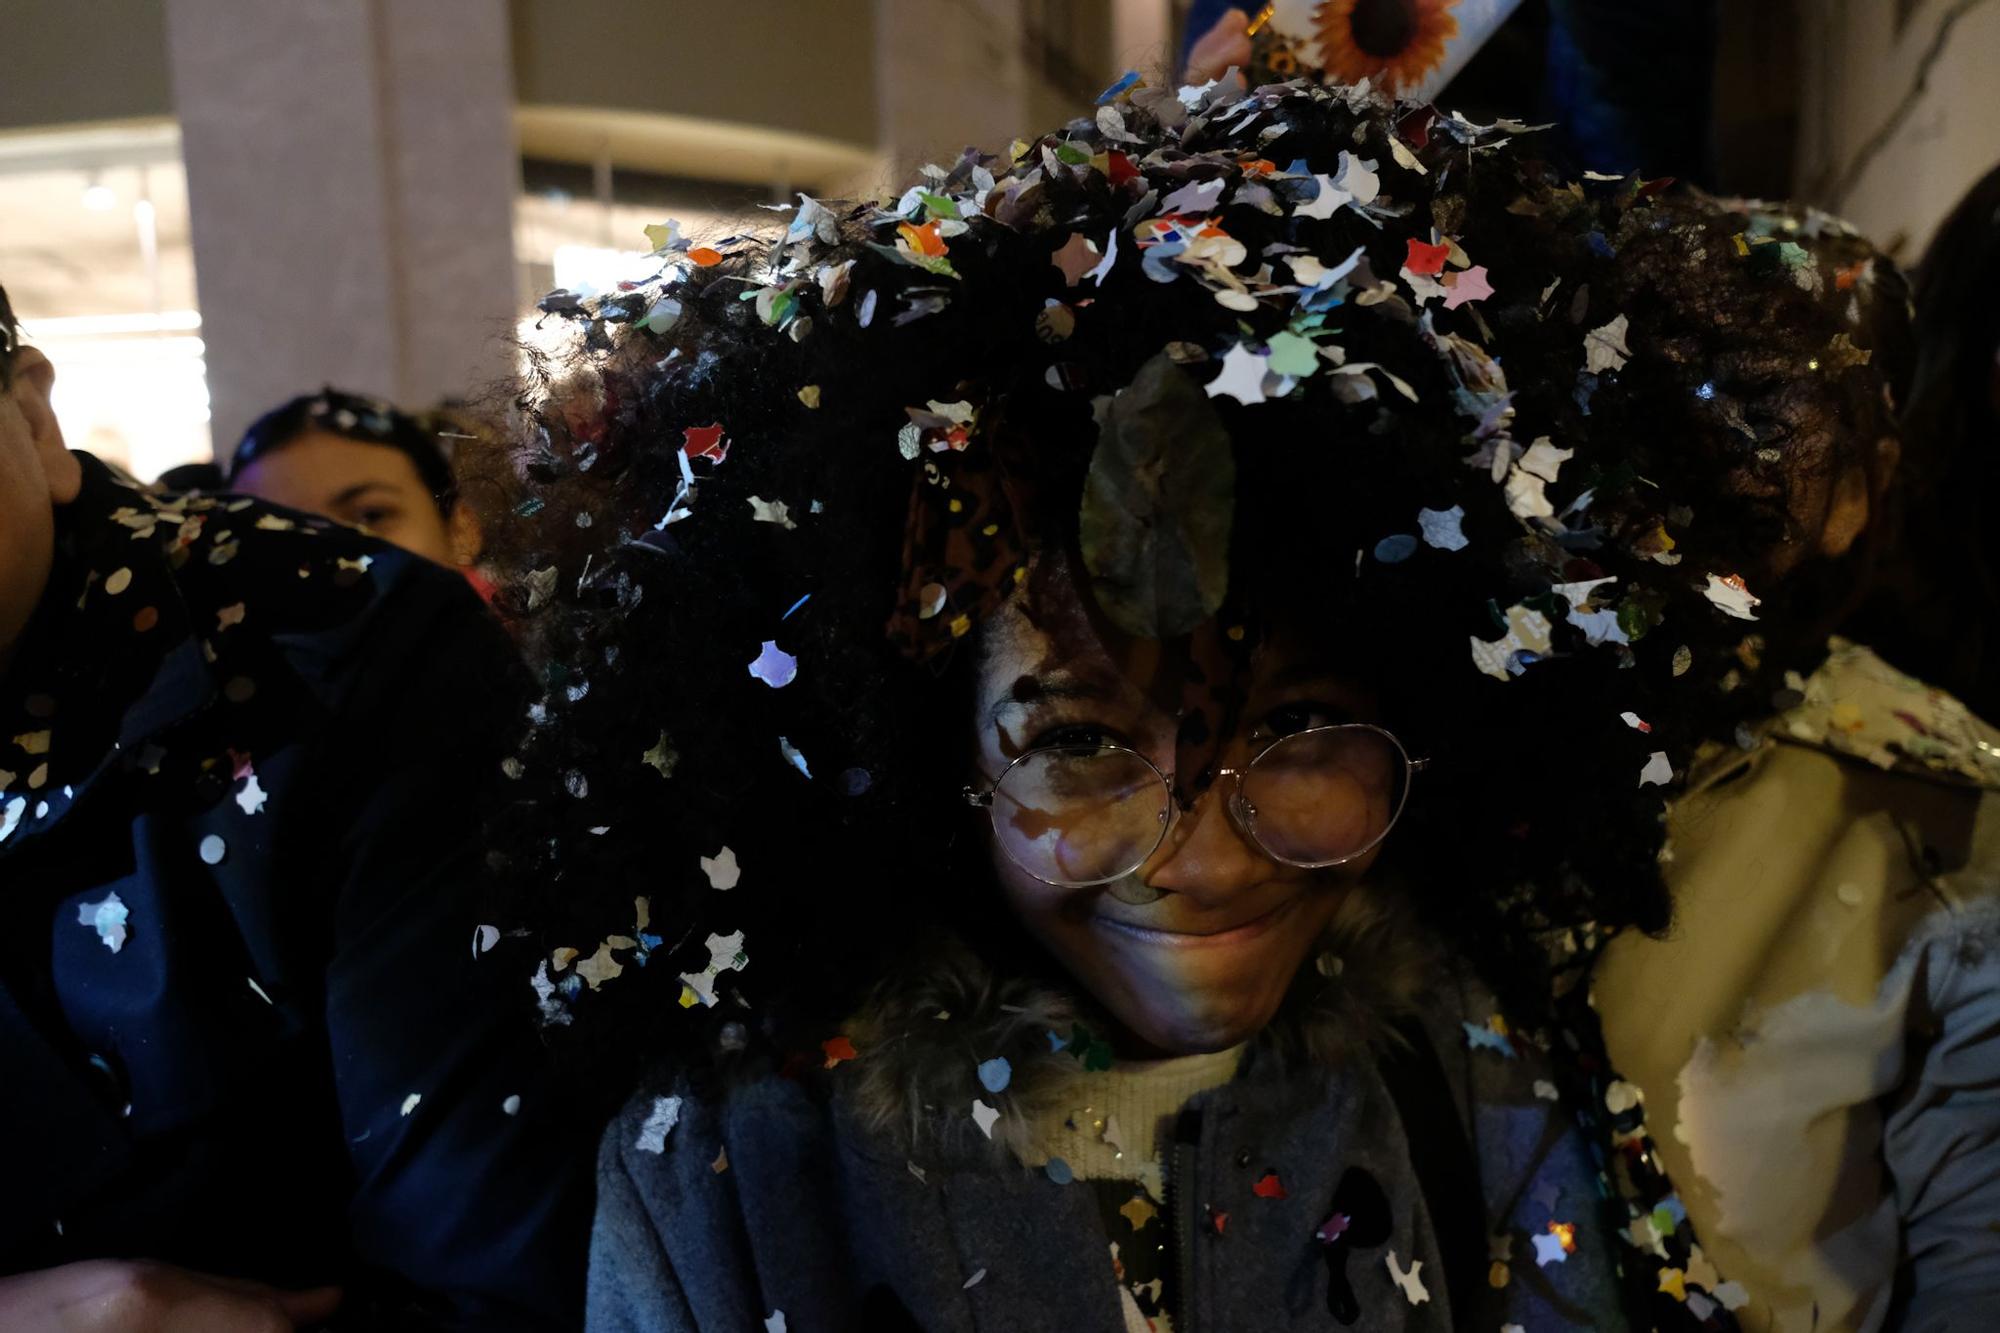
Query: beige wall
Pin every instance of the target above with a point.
(1857, 69)
(69, 61)
(801, 65)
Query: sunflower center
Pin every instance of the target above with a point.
(1383, 28)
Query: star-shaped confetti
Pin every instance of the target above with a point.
(1138, 1210)
(1549, 1250)
(1410, 1281)
(1443, 528)
(1471, 285)
(1242, 376)
(774, 666)
(1076, 258)
(722, 870)
(1425, 259)
(108, 918)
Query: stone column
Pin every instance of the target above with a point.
(351, 182)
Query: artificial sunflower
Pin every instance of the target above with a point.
(1394, 43)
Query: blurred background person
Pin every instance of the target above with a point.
(368, 464)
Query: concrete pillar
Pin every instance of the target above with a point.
(351, 183)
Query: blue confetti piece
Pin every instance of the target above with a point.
(996, 1074)
(1478, 1037)
(796, 605)
(1058, 1171)
(1056, 1041)
(1395, 550)
(1131, 76)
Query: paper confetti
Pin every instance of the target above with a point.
(1658, 772)
(1411, 1284)
(512, 1105)
(837, 1050)
(660, 1122)
(771, 511)
(995, 1074)
(1730, 595)
(1269, 1186)
(213, 850)
(984, 1116)
(1242, 376)
(108, 918)
(1549, 1249)
(725, 953)
(1604, 347)
(1488, 1038)
(1443, 528)
(1138, 1210)
(775, 667)
(774, 1322)
(722, 869)
(1057, 1170)
(792, 756)
(410, 1102)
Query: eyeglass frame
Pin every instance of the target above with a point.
(10, 339)
(981, 797)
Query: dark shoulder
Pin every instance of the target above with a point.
(671, 1138)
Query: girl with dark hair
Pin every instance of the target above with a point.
(363, 462)
(1109, 701)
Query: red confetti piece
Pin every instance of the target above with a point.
(1426, 259)
(706, 442)
(1217, 1221)
(838, 1049)
(1269, 1187)
(1119, 169)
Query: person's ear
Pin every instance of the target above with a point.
(468, 538)
(34, 382)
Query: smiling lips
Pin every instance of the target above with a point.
(1200, 939)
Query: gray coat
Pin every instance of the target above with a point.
(799, 1198)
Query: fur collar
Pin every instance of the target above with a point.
(923, 1032)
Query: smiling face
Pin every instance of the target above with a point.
(367, 485)
(1194, 950)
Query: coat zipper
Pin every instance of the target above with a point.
(1180, 1199)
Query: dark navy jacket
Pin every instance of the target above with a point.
(250, 1022)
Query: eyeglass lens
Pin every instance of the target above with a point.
(1080, 815)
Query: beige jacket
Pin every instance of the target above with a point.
(1818, 1041)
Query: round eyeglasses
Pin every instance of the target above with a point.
(1080, 815)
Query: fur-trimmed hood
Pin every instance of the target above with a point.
(922, 1034)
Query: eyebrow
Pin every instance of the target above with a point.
(361, 488)
(1055, 685)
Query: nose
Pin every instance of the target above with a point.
(1204, 856)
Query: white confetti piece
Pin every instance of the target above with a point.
(411, 1102)
(771, 511)
(107, 918)
(1621, 1096)
(774, 1322)
(1658, 772)
(213, 850)
(1604, 347)
(660, 1122)
(973, 1281)
(253, 795)
(484, 938)
(1731, 597)
(1410, 1282)
(721, 869)
(984, 1116)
